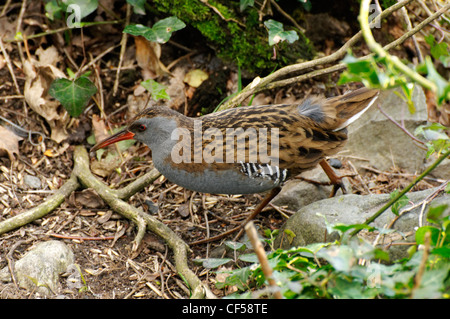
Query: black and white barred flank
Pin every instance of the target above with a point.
(254, 170)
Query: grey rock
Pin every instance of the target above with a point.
(376, 139)
(309, 226)
(32, 181)
(442, 171)
(297, 193)
(40, 267)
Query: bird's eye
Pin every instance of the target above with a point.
(141, 127)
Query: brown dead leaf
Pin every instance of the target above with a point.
(99, 128)
(106, 165)
(2, 62)
(183, 210)
(439, 114)
(39, 76)
(176, 89)
(221, 275)
(50, 153)
(9, 143)
(147, 57)
(88, 198)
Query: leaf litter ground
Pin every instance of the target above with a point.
(111, 270)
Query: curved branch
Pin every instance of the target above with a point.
(378, 49)
(43, 209)
(81, 175)
(404, 191)
(137, 185)
(260, 84)
(342, 66)
(143, 220)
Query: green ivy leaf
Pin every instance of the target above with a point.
(437, 50)
(277, 33)
(211, 263)
(52, 10)
(401, 202)
(234, 245)
(365, 71)
(81, 8)
(250, 258)
(138, 6)
(443, 87)
(238, 279)
(435, 213)
(243, 4)
(442, 251)
(158, 91)
(73, 95)
(422, 231)
(160, 32)
(340, 257)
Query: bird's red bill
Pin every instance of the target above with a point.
(119, 136)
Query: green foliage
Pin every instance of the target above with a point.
(439, 50)
(277, 33)
(235, 247)
(157, 91)
(74, 95)
(56, 9)
(235, 35)
(380, 72)
(401, 202)
(160, 32)
(138, 6)
(243, 4)
(352, 269)
(376, 72)
(436, 138)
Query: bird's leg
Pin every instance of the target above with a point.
(274, 192)
(335, 180)
(266, 200)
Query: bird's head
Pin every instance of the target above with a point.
(152, 127)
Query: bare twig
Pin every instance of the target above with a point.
(59, 30)
(342, 66)
(423, 263)
(421, 143)
(287, 16)
(123, 47)
(10, 67)
(19, 28)
(217, 11)
(261, 254)
(5, 8)
(98, 57)
(404, 13)
(404, 191)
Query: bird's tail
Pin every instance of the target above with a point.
(349, 107)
